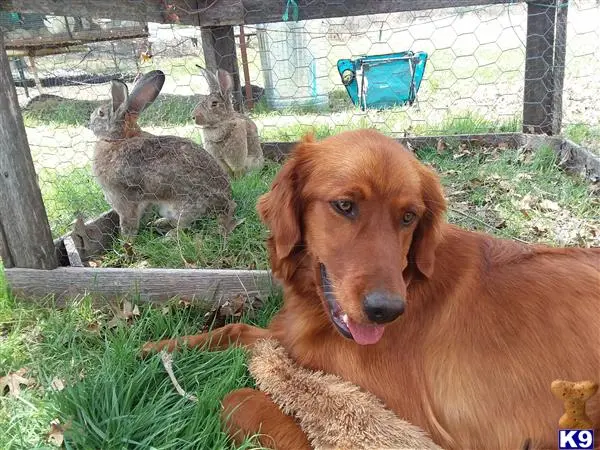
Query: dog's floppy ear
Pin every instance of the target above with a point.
(280, 209)
(427, 236)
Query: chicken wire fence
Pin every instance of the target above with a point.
(291, 81)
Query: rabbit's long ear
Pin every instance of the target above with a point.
(119, 93)
(225, 82)
(145, 91)
(213, 83)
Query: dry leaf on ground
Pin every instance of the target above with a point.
(185, 303)
(549, 205)
(57, 384)
(13, 382)
(93, 327)
(127, 313)
(441, 146)
(234, 308)
(56, 435)
(526, 203)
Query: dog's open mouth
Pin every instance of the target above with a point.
(362, 334)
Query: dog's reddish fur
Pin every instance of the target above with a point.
(489, 323)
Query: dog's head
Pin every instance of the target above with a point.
(366, 215)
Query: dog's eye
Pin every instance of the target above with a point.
(408, 218)
(345, 208)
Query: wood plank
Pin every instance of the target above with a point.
(278, 151)
(25, 223)
(571, 157)
(579, 160)
(230, 12)
(538, 95)
(149, 285)
(218, 45)
(196, 12)
(4, 252)
(72, 253)
(261, 11)
(47, 51)
(76, 38)
(92, 238)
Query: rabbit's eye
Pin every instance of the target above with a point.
(214, 104)
(101, 113)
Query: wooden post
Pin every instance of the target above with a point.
(26, 236)
(36, 75)
(218, 44)
(539, 92)
(243, 53)
(560, 51)
(4, 253)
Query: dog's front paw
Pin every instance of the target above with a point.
(152, 347)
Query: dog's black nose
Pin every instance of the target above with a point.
(383, 307)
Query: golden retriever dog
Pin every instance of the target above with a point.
(458, 332)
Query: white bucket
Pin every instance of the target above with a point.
(294, 64)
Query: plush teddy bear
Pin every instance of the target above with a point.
(333, 413)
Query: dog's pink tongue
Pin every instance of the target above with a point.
(365, 334)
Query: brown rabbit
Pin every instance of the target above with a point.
(137, 169)
(231, 137)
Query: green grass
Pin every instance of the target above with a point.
(66, 195)
(175, 110)
(202, 245)
(112, 398)
(517, 194)
(469, 123)
(59, 112)
(584, 134)
(395, 119)
(69, 194)
(167, 110)
(487, 181)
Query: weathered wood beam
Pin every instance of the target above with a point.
(261, 11)
(571, 157)
(230, 12)
(151, 285)
(47, 51)
(76, 38)
(538, 95)
(560, 52)
(278, 151)
(72, 252)
(579, 160)
(91, 239)
(4, 252)
(26, 236)
(190, 12)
